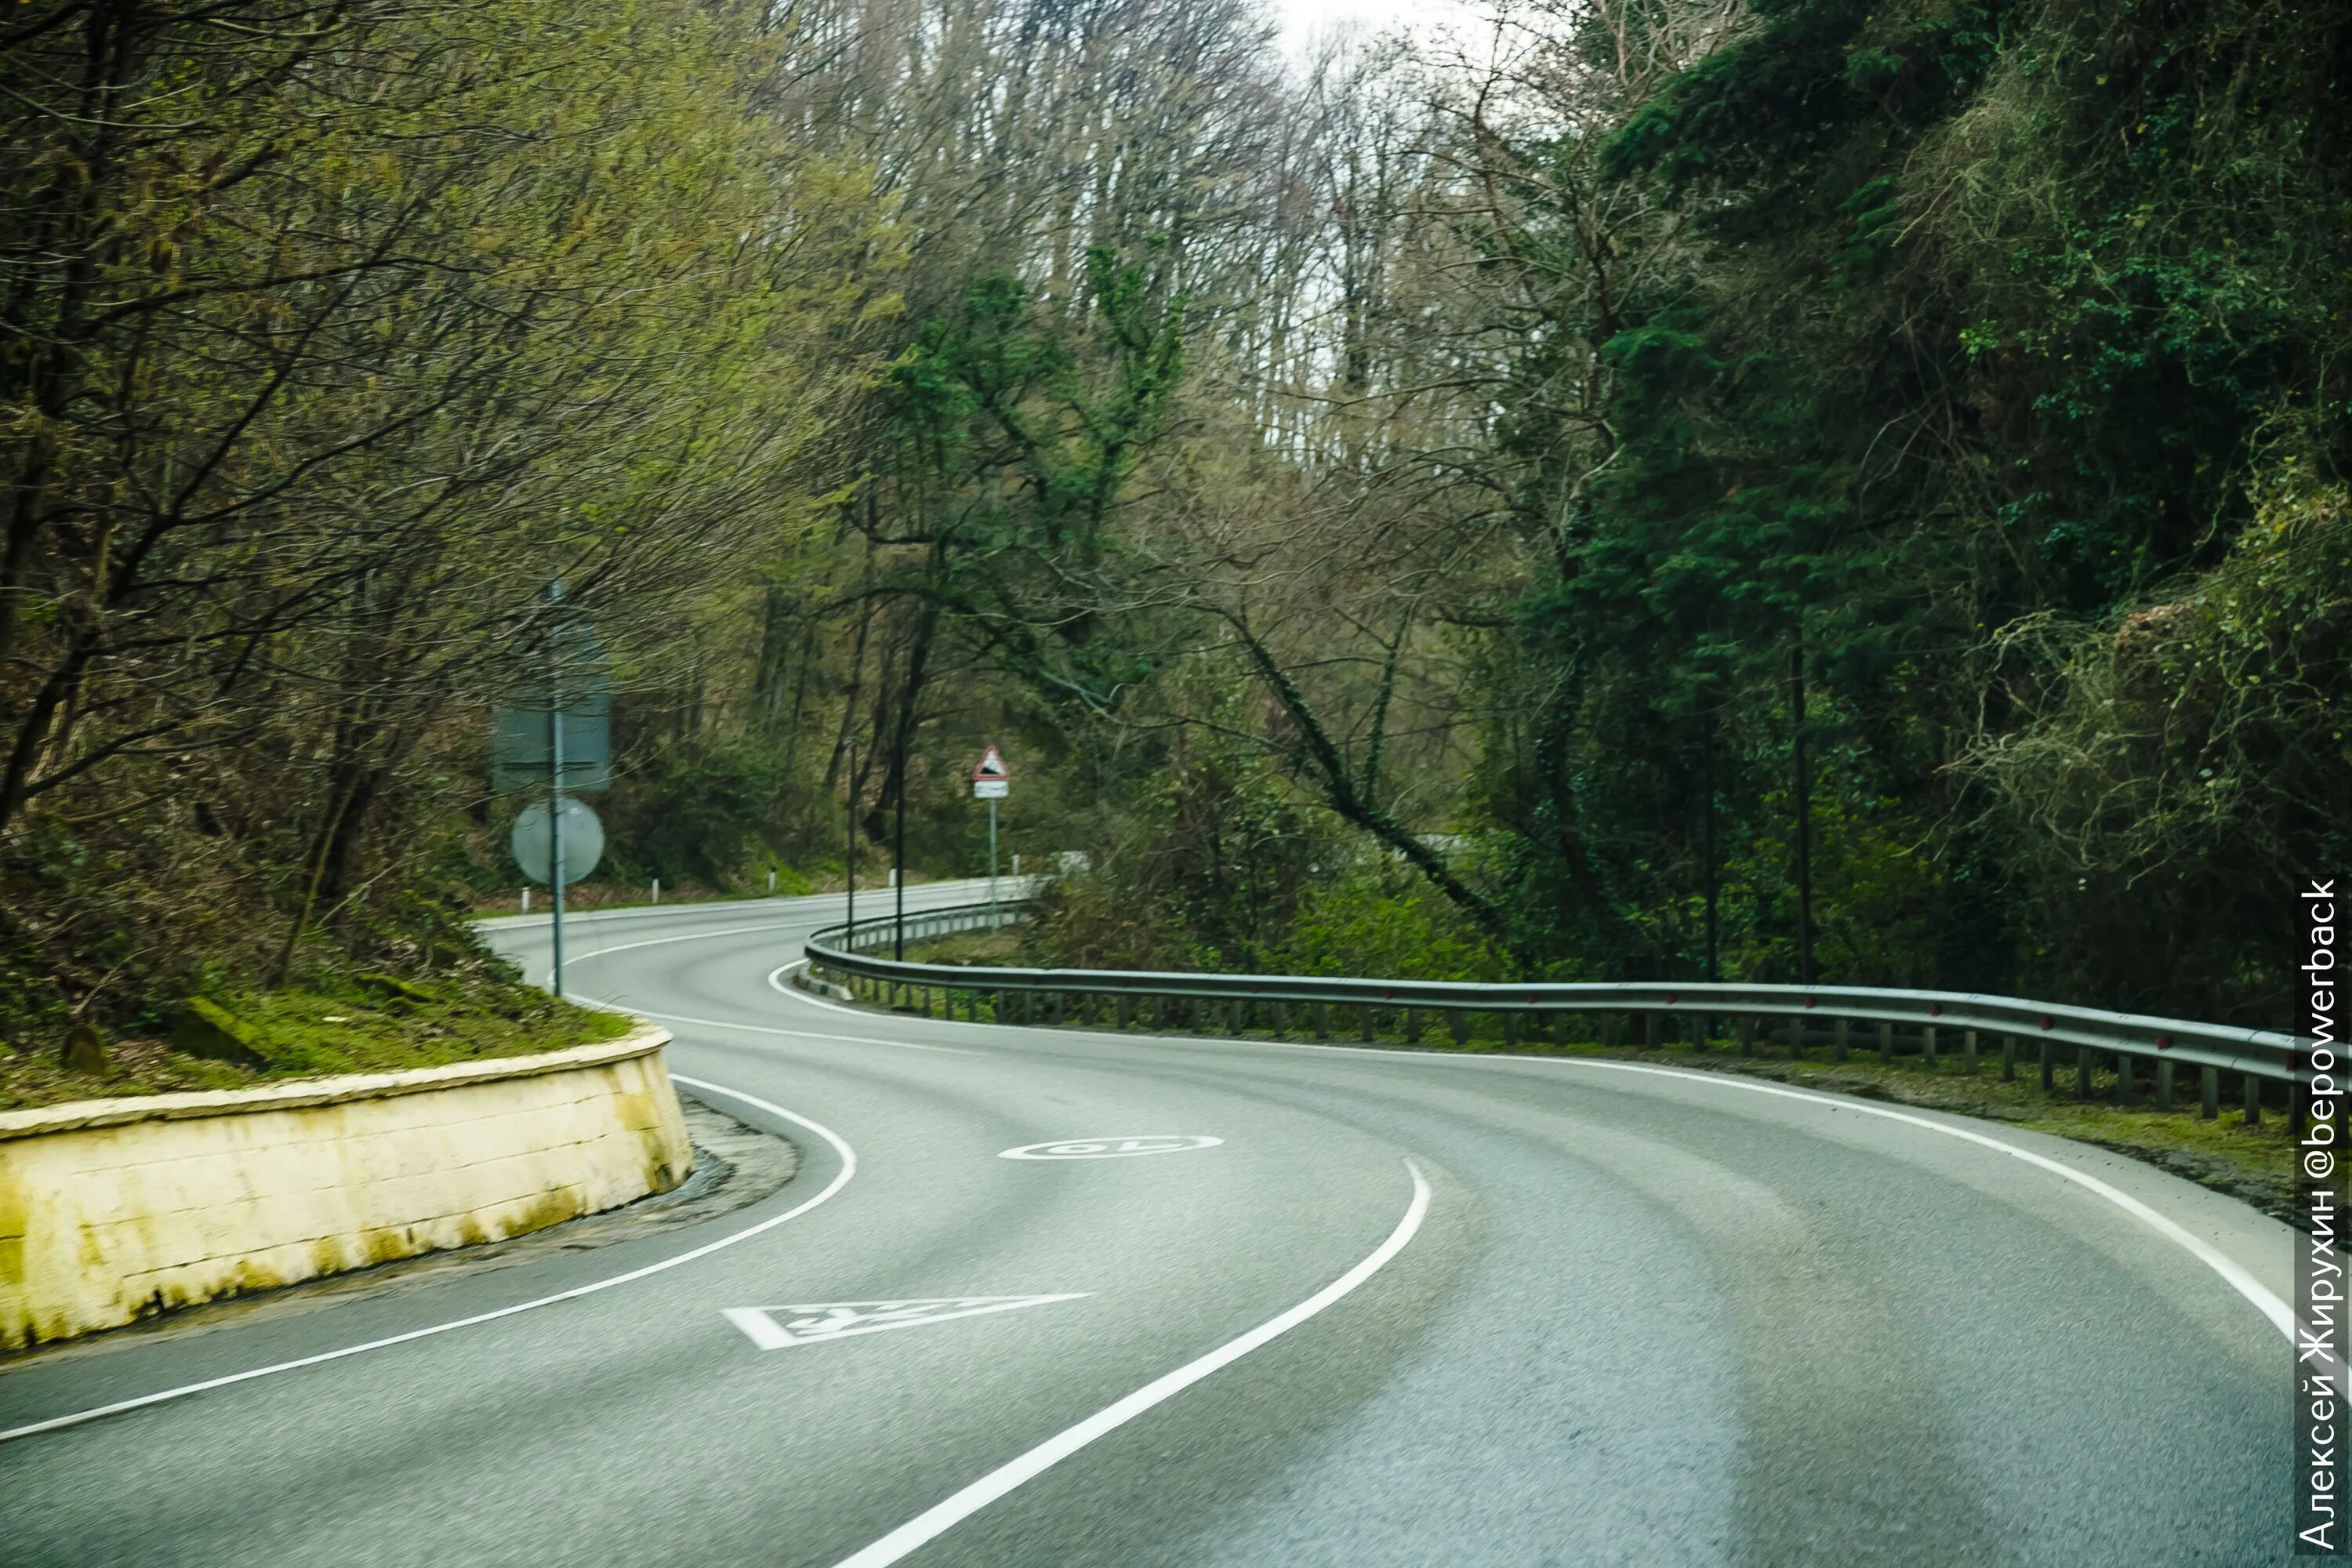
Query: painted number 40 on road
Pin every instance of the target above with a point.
(1111, 1148)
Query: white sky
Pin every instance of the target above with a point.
(1302, 19)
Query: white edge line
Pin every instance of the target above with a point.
(2261, 1297)
(790, 994)
(841, 1179)
(771, 1029)
(945, 1515)
(2232, 1273)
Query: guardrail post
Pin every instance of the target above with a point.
(2049, 1074)
(1364, 1023)
(1412, 1025)
(2254, 1101)
(1649, 1031)
(1886, 1043)
(2208, 1094)
(1510, 1028)
(1457, 1023)
(1237, 1016)
(2009, 1059)
(2081, 1073)
(1274, 1020)
(2164, 1086)
(1838, 1045)
(1559, 1027)
(1119, 1012)
(2127, 1080)
(1746, 1035)
(1028, 1007)
(1968, 1052)
(1928, 1048)
(1193, 1016)
(1609, 1030)
(1322, 1020)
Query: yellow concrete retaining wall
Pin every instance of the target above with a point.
(116, 1209)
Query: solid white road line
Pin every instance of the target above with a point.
(841, 1179)
(944, 1516)
(770, 1029)
(2232, 1273)
(2261, 1297)
(579, 958)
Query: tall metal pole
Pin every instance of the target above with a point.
(1804, 819)
(898, 853)
(849, 846)
(555, 813)
(1714, 872)
(992, 863)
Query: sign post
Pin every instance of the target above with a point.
(559, 736)
(992, 782)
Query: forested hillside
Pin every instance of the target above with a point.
(1637, 489)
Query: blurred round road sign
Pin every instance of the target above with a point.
(583, 840)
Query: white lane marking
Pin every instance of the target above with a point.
(824, 905)
(662, 941)
(774, 1328)
(841, 1179)
(2227, 1269)
(1116, 1148)
(2205, 1252)
(944, 1516)
(2232, 1273)
(776, 985)
(767, 1029)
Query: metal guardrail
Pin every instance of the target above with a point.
(1927, 1022)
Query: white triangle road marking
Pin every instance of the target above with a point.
(775, 1328)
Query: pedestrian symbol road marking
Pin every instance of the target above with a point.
(773, 1328)
(1111, 1148)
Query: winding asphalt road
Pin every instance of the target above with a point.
(1410, 1309)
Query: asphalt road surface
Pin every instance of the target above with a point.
(1327, 1306)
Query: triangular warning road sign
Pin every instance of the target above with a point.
(991, 766)
(774, 1328)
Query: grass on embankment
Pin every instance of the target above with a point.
(334, 1024)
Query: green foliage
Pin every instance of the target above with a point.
(1369, 915)
(1966, 372)
(1015, 425)
(705, 813)
(1206, 870)
(343, 330)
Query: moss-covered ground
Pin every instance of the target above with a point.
(332, 1024)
